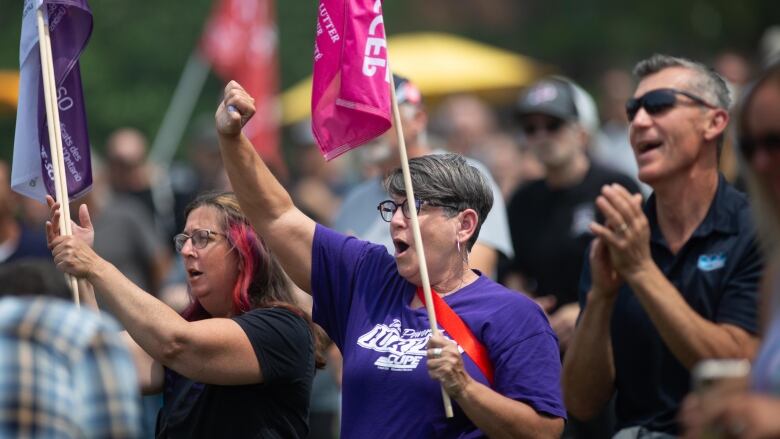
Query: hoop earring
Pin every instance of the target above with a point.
(464, 256)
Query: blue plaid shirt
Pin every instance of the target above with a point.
(64, 373)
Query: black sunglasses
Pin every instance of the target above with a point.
(769, 142)
(550, 126)
(658, 101)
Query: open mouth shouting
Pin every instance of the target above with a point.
(401, 247)
(193, 274)
(646, 146)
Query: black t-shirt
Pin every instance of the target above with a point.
(717, 272)
(277, 408)
(550, 231)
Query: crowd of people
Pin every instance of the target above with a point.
(580, 272)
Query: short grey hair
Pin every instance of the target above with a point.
(708, 84)
(446, 179)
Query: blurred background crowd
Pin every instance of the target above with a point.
(470, 61)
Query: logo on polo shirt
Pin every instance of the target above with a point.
(712, 262)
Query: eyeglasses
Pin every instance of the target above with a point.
(200, 238)
(387, 208)
(658, 101)
(769, 142)
(551, 126)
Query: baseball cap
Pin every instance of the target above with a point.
(405, 91)
(551, 97)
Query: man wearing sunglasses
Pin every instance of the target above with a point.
(673, 282)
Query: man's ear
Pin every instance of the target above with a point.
(717, 124)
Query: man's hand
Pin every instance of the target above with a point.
(605, 281)
(627, 231)
(734, 414)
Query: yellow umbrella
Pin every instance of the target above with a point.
(9, 89)
(440, 64)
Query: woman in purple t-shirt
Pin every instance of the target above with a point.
(366, 300)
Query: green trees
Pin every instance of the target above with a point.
(139, 47)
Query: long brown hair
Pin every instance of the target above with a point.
(261, 281)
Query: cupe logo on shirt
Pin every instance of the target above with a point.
(712, 262)
(405, 348)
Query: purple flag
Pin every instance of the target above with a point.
(70, 26)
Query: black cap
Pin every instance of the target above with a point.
(551, 97)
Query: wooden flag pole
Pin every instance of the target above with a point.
(418, 244)
(55, 136)
(59, 163)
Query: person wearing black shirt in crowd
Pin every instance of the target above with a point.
(549, 218)
(239, 362)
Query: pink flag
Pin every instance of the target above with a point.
(350, 102)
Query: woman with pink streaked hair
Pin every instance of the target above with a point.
(239, 361)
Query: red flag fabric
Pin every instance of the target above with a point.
(240, 42)
(350, 102)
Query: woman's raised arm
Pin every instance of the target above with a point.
(288, 231)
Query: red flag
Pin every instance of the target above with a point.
(350, 102)
(240, 41)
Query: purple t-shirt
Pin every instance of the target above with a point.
(363, 304)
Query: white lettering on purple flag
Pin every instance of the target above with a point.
(70, 25)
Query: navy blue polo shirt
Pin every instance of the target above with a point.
(717, 271)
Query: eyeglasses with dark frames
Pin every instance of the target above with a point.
(660, 100)
(387, 208)
(200, 238)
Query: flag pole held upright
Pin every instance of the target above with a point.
(51, 142)
(55, 135)
(68, 24)
(353, 96)
(418, 243)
